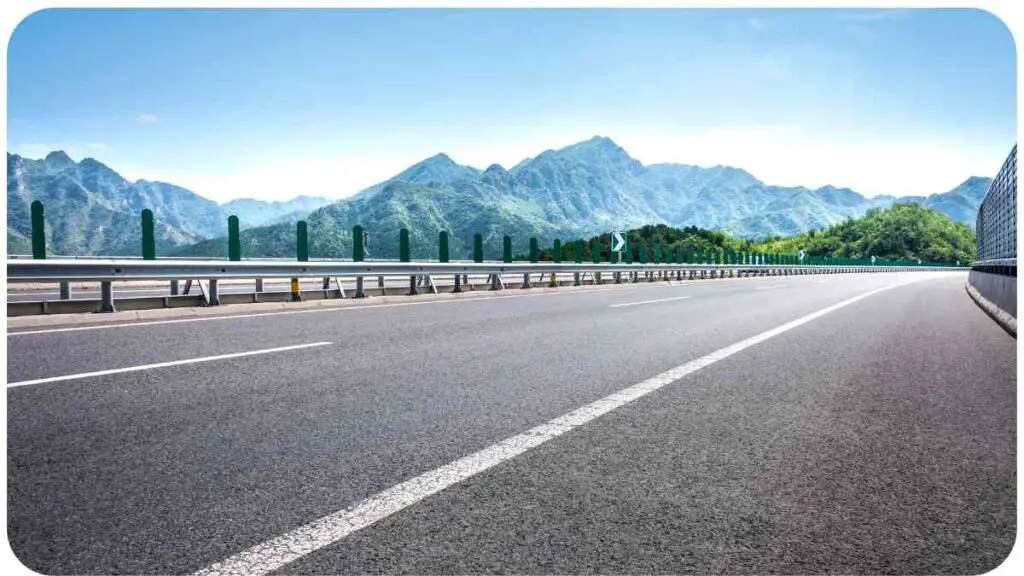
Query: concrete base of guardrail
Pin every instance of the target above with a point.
(1002, 317)
(83, 306)
(999, 289)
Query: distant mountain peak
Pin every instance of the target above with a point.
(58, 158)
(440, 159)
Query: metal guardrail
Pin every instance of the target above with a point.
(107, 271)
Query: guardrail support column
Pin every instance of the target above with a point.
(174, 287)
(404, 256)
(259, 285)
(65, 290)
(106, 297)
(214, 293)
(357, 256)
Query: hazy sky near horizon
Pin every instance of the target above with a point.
(270, 104)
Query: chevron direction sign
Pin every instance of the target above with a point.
(618, 242)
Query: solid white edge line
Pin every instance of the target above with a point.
(161, 365)
(648, 301)
(282, 550)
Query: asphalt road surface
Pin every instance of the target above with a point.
(849, 423)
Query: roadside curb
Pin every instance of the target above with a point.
(1007, 322)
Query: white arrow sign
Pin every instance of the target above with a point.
(801, 254)
(620, 242)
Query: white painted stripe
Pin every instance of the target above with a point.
(162, 365)
(311, 311)
(278, 552)
(648, 302)
(772, 287)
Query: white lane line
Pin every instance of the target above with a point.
(311, 311)
(162, 365)
(282, 550)
(648, 302)
(772, 287)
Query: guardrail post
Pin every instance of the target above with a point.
(357, 256)
(404, 255)
(534, 256)
(39, 243)
(149, 243)
(259, 286)
(556, 257)
(107, 297)
(234, 241)
(577, 257)
(214, 293)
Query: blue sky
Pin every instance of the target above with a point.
(274, 103)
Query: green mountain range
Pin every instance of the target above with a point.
(579, 191)
(91, 209)
(582, 190)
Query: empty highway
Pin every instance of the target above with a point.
(860, 423)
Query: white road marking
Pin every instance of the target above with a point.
(162, 365)
(282, 550)
(648, 302)
(772, 287)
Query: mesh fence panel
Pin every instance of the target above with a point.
(997, 217)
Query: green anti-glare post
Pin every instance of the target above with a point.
(301, 242)
(556, 252)
(403, 245)
(506, 249)
(357, 244)
(234, 242)
(595, 250)
(628, 255)
(478, 248)
(613, 257)
(642, 253)
(577, 251)
(657, 254)
(534, 250)
(38, 231)
(148, 240)
(442, 246)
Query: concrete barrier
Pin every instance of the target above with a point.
(999, 289)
